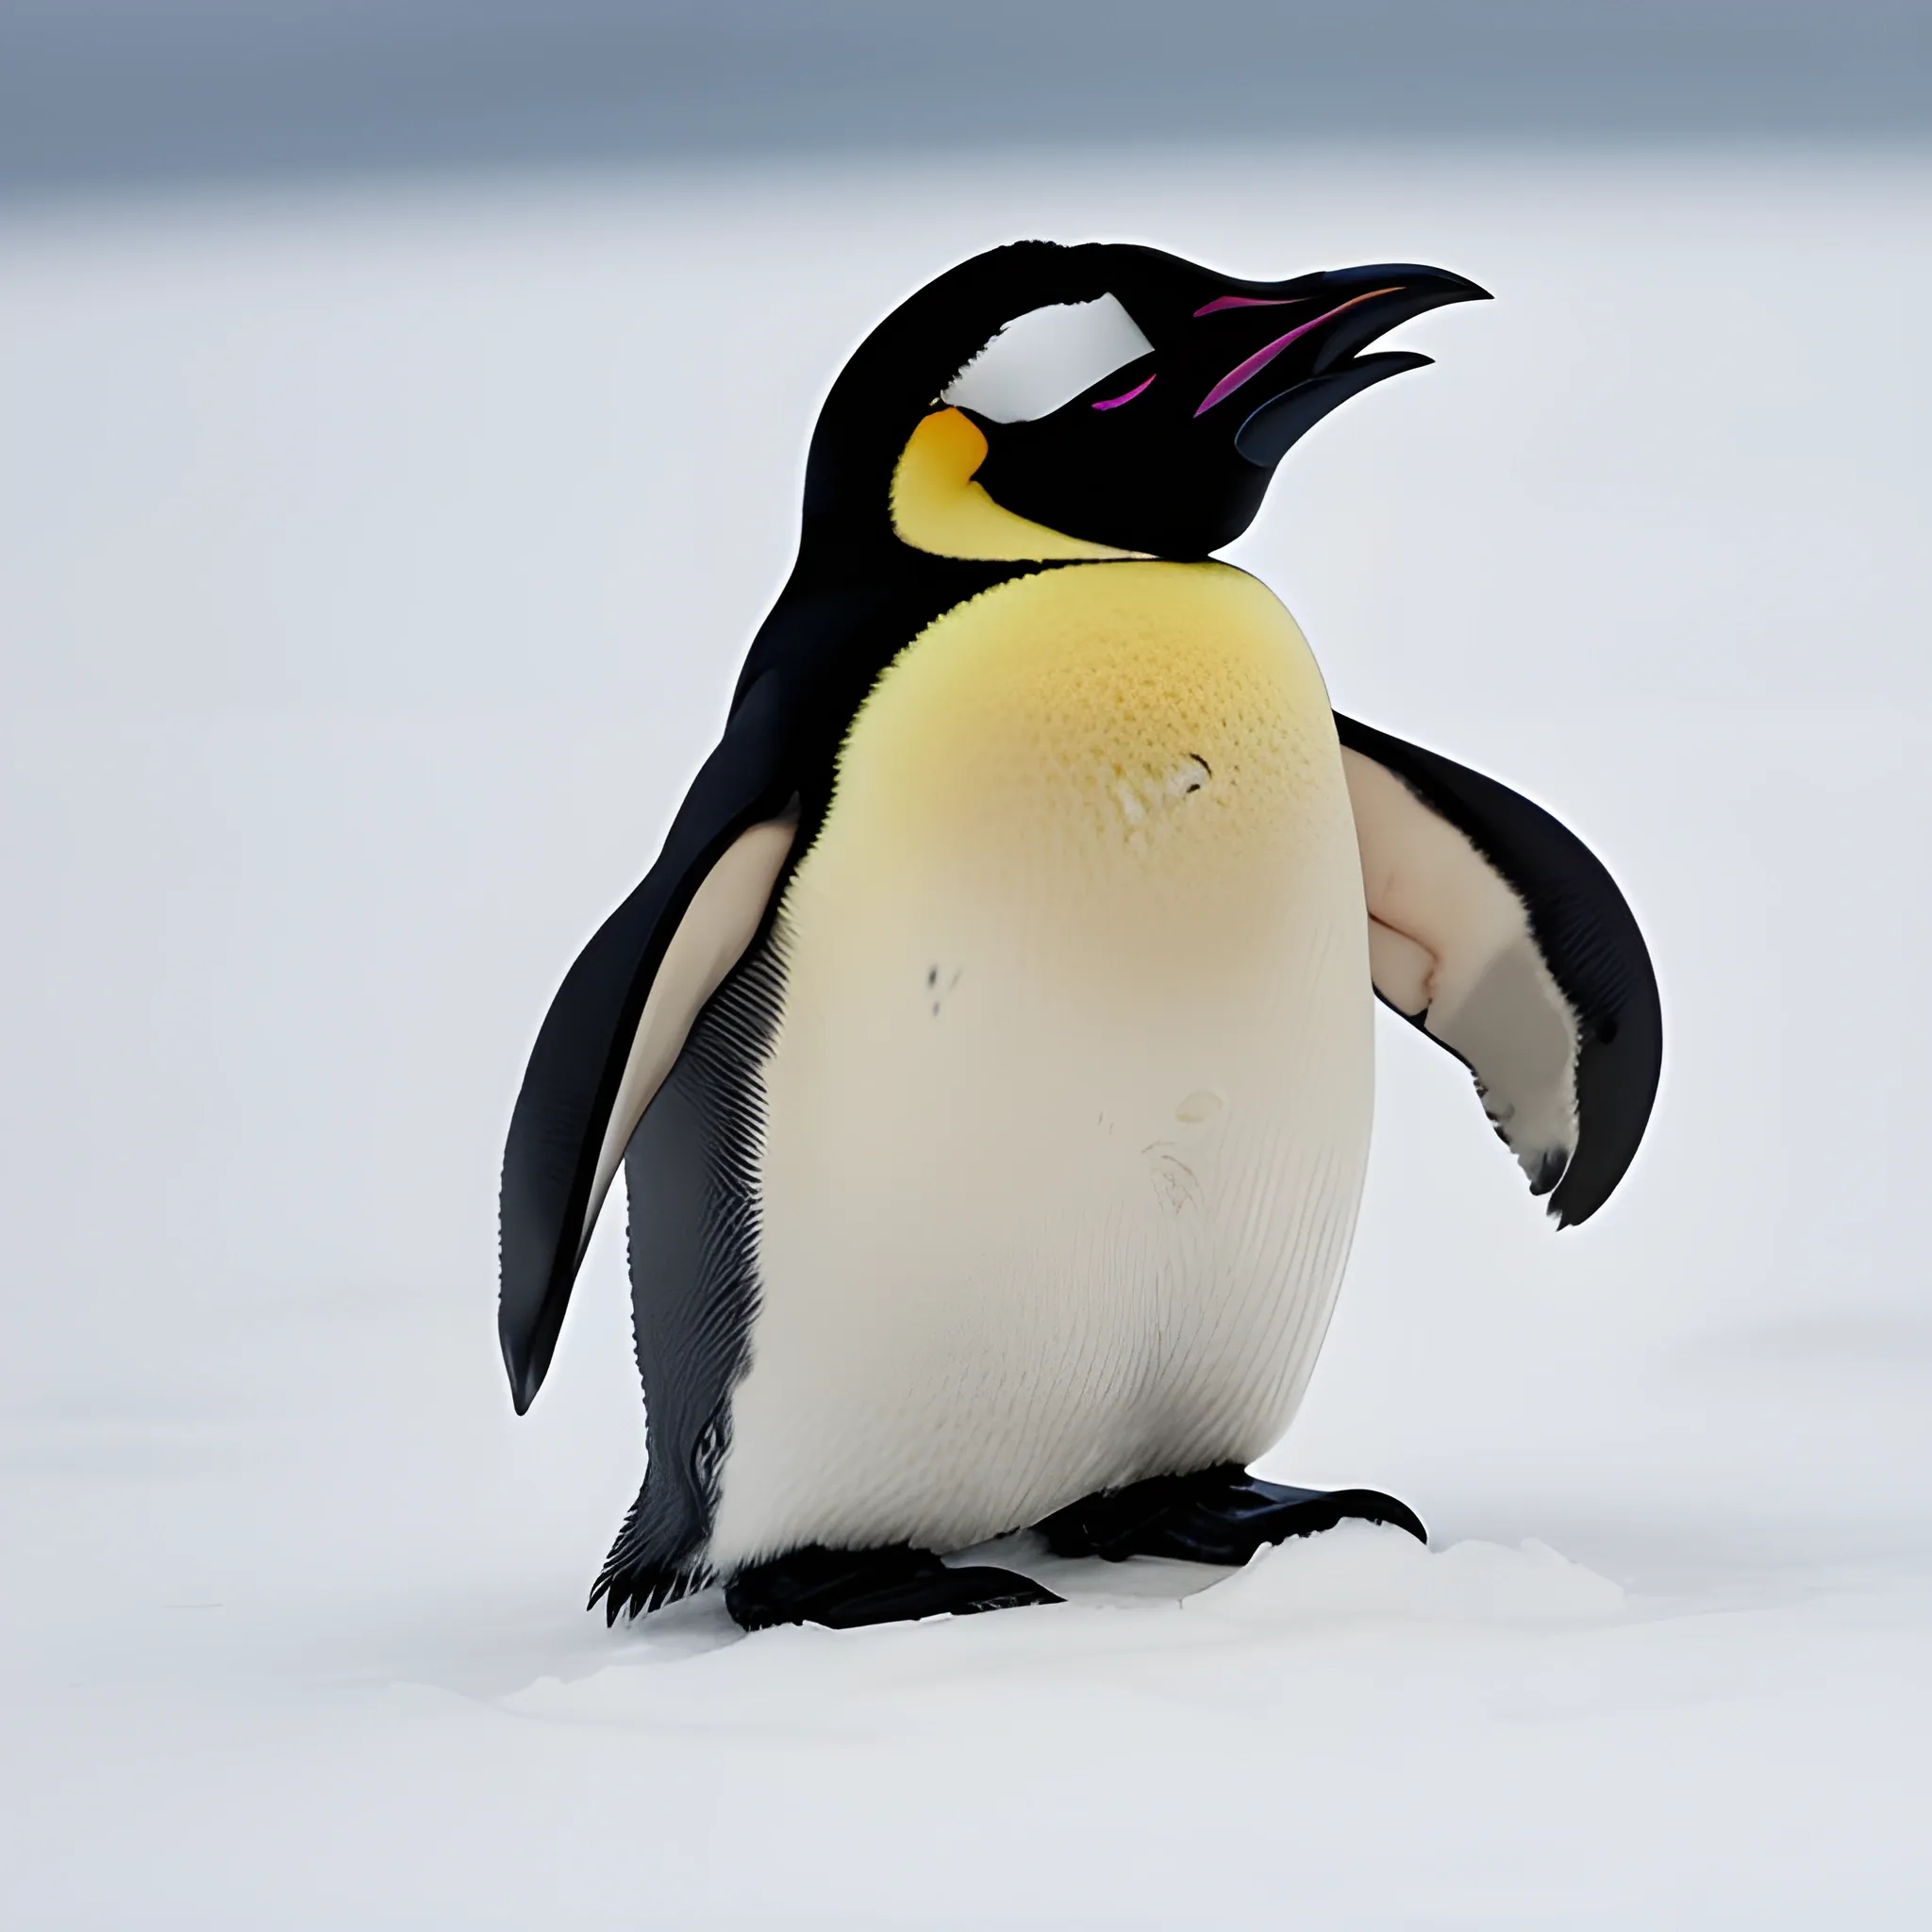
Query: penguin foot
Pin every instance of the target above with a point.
(1221, 1515)
(845, 1589)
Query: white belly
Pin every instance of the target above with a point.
(1068, 1108)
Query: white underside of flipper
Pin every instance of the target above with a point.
(1068, 1105)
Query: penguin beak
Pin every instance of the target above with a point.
(1326, 321)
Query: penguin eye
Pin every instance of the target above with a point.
(1045, 358)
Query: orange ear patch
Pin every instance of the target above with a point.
(938, 507)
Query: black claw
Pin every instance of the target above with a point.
(845, 1589)
(1221, 1515)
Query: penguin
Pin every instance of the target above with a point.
(989, 1052)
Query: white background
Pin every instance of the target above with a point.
(373, 570)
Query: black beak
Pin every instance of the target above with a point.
(1359, 306)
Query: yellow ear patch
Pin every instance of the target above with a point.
(938, 507)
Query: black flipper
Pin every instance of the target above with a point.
(558, 1133)
(1220, 1515)
(1498, 933)
(846, 1588)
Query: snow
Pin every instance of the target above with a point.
(375, 570)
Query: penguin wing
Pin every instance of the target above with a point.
(1495, 931)
(621, 1017)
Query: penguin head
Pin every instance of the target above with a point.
(1106, 400)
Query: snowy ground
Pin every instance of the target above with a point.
(373, 571)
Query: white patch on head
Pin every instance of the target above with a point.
(1045, 358)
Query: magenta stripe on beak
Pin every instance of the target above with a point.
(1261, 357)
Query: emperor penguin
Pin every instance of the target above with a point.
(988, 1051)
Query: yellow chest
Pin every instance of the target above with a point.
(1126, 754)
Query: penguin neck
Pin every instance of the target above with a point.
(936, 505)
(923, 503)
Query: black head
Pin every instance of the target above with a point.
(1124, 397)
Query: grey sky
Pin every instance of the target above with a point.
(113, 93)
